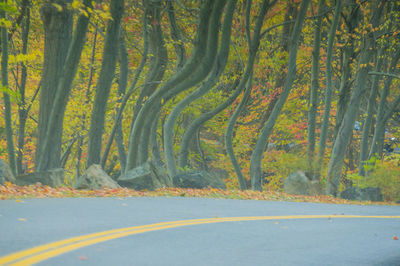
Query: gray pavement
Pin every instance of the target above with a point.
(35, 222)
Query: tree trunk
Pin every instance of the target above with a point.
(349, 57)
(6, 96)
(312, 113)
(196, 124)
(253, 43)
(342, 139)
(176, 36)
(22, 110)
(379, 132)
(130, 91)
(181, 80)
(328, 92)
(230, 128)
(370, 114)
(50, 153)
(213, 78)
(104, 83)
(57, 38)
(122, 85)
(256, 157)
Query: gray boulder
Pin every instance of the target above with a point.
(362, 194)
(95, 178)
(52, 178)
(201, 179)
(148, 176)
(298, 183)
(5, 173)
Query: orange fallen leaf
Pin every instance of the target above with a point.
(395, 238)
(83, 258)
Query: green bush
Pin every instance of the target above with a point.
(384, 174)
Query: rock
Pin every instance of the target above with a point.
(148, 176)
(52, 178)
(198, 180)
(298, 183)
(362, 194)
(5, 173)
(95, 178)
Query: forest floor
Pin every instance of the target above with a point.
(12, 191)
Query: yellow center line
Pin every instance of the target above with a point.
(43, 252)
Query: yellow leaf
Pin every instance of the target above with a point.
(75, 4)
(59, 8)
(22, 219)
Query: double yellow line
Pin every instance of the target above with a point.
(43, 252)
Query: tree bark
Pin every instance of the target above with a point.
(197, 123)
(176, 36)
(230, 128)
(50, 154)
(312, 113)
(138, 141)
(57, 38)
(122, 85)
(342, 139)
(129, 93)
(329, 89)
(6, 96)
(370, 113)
(22, 110)
(213, 78)
(256, 157)
(104, 83)
(253, 43)
(382, 114)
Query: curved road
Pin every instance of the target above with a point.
(196, 231)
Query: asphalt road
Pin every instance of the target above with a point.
(332, 239)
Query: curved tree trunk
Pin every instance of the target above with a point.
(230, 128)
(176, 36)
(213, 78)
(197, 123)
(247, 76)
(256, 157)
(104, 83)
(130, 91)
(159, 60)
(138, 141)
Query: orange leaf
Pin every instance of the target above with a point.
(395, 238)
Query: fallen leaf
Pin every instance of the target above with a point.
(395, 238)
(124, 204)
(19, 201)
(83, 258)
(22, 219)
(276, 222)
